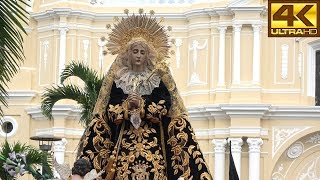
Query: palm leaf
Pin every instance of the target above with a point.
(12, 16)
(89, 76)
(81, 71)
(54, 94)
(36, 157)
(86, 97)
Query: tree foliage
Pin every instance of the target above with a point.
(12, 17)
(86, 96)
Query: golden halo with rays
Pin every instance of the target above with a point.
(139, 27)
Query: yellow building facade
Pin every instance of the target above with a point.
(236, 82)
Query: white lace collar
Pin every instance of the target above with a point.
(125, 82)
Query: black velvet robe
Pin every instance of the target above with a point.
(161, 148)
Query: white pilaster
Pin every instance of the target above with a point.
(236, 54)
(222, 54)
(254, 157)
(236, 144)
(59, 148)
(178, 44)
(62, 50)
(219, 158)
(256, 54)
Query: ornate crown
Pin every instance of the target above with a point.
(138, 28)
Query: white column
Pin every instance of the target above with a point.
(59, 147)
(254, 157)
(236, 54)
(236, 144)
(256, 54)
(62, 49)
(222, 54)
(219, 158)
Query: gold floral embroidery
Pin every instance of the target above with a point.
(115, 113)
(196, 155)
(178, 139)
(156, 111)
(101, 143)
(136, 143)
(205, 176)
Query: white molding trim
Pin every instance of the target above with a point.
(293, 112)
(186, 15)
(311, 66)
(59, 130)
(231, 130)
(209, 111)
(240, 89)
(24, 95)
(263, 111)
(245, 110)
(281, 91)
(63, 111)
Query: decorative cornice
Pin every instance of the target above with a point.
(263, 111)
(258, 9)
(247, 110)
(207, 112)
(196, 13)
(98, 16)
(63, 111)
(24, 95)
(247, 131)
(59, 130)
(211, 111)
(222, 11)
(293, 112)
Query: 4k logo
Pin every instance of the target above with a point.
(293, 18)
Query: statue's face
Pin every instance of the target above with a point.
(138, 56)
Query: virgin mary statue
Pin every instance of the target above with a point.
(141, 129)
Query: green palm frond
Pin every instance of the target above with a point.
(86, 97)
(89, 76)
(81, 71)
(37, 157)
(12, 16)
(54, 94)
(86, 114)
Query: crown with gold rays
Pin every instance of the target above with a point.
(141, 27)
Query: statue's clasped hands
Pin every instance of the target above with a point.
(134, 104)
(134, 101)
